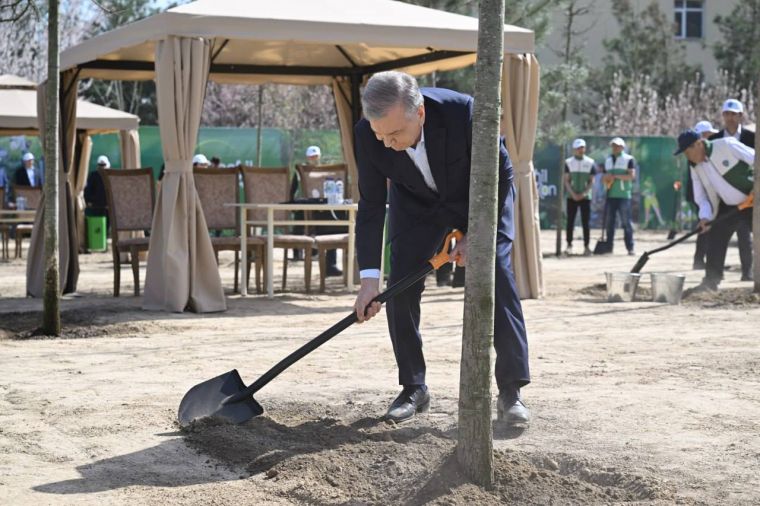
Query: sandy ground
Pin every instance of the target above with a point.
(636, 402)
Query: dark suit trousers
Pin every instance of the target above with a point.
(409, 252)
(717, 241)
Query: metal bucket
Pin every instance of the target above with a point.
(621, 286)
(667, 287)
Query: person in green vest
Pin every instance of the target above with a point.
(619, 174)
(722, 178)
(579, 178)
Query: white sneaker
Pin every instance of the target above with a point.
(569, 250)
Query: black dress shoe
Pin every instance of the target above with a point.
(747, 277)
(333, 271)
(511, 410)
(413, 399)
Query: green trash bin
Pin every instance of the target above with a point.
(96, 233)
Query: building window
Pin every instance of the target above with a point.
(688, 17)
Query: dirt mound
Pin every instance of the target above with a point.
(349, 457)
(742, 297)
(79, 324)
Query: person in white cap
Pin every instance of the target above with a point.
(28, 174)
(619, 174)
(579, 178)
(95, 190)
(733, 116)
(200, 161)
(705, 129)
(313, 155)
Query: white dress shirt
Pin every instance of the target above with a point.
(418, 154)
(30, 175)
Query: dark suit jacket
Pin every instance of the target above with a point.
(448, 142)
(746, 137)
(22, 179)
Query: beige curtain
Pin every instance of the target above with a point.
(78, 180)
(130, 149)
(520, 86)
(342, 93)
(68, 252)
(182, 271)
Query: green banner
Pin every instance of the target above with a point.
(656, 202)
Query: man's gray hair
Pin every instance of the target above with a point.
(386, 89)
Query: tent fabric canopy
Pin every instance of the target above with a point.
(18, 111)
(331, 42)
(294, 41)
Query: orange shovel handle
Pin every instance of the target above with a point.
(443, 256)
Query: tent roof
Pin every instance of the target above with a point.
(18, 111)
(11, 81)
(297, 41)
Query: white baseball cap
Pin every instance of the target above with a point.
(733, 105)
(27, 156)
(103, 160)
(704, 126)
(579, 143)
(618, 142)
(200, 159)
(313, 151)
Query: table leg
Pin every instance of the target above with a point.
(243, 253)
(270, 252)
(351, 245)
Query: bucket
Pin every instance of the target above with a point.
(621, 286)
(667, 287)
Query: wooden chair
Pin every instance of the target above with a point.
(271, 186)
(131, 198)
(215, 188)
(33, 197)
(312, 179)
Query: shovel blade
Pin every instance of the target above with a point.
(205, 402)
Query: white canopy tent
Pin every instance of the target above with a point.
(335, 42)
(19, 116)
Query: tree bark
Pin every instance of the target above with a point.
(756, 207)
(475, 445)
(51, 297)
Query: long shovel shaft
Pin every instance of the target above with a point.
(325, 336)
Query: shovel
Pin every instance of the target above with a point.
(226, 399)
(643, 259)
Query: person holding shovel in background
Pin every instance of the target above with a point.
(421, 140)
(722, 178)
(619, 173)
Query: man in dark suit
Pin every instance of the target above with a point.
(28, 174)
(421, 141)
(733, 114)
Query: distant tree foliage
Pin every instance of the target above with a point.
(739, 53)
(645, 47)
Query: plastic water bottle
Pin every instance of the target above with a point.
(338, 191)
(328, 189)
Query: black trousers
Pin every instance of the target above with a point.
(409, 252)
(717, 241)
(572, 210)
(744, 240)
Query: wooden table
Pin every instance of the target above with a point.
(13, 217)
(270, 223)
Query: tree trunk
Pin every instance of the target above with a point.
(259, 126)
(51, 298)
(475, 445)
(756, 208)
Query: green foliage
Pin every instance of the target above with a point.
(739, 53)
(136, 97)
(645, 46)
